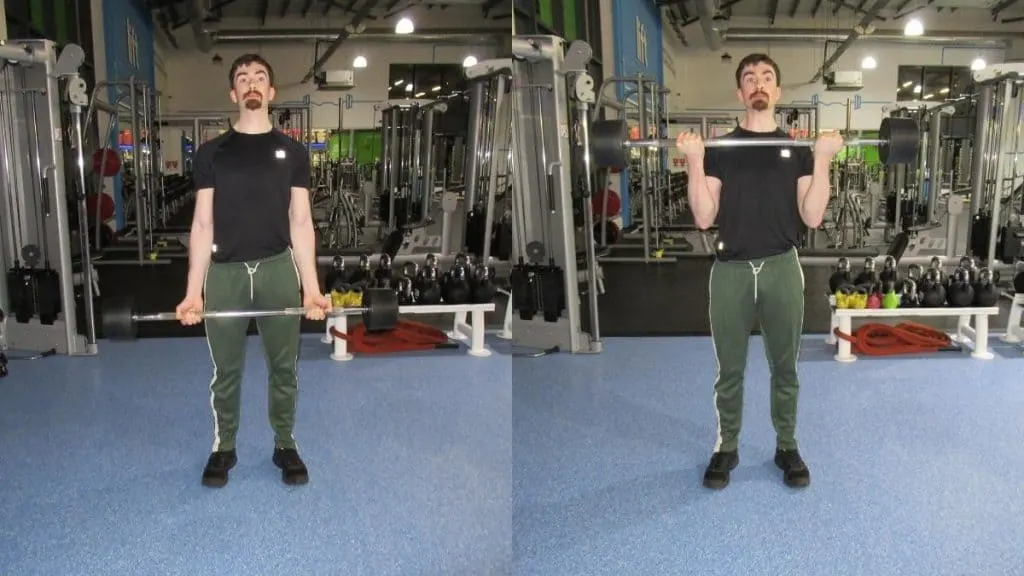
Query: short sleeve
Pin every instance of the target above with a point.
(806, 161)
(301, 177)
(202, 166)
(712, 164)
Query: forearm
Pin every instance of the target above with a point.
(200, 249)
(702, 204)
(303, 238)
(812, 209)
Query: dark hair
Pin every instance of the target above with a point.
(246, 60)
(754, 60)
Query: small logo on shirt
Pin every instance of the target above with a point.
(279, 154)
(784, 152)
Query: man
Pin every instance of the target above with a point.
(761, 197)
(252, 246)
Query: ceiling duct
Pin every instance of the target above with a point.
(301, 35)
(706, 12)
(197, 19)
(858, 31)
(967, 39)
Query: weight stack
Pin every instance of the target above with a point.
(21, 289)
(47, 289)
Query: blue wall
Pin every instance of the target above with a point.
(629, 61)
(128, 37)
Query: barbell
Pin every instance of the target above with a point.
(379, 313)
(898, 142)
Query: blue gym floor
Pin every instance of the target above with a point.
(409, 461)
(917, 466)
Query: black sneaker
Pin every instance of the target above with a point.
(293, 471)
(215, 475)
(794, 472)
(716, 476)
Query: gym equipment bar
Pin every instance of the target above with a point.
(898, 142)
(379, 312)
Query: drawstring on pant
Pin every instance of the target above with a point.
(756, 270)
(251, 270)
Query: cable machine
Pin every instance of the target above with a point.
(546, 276)
(37, 294)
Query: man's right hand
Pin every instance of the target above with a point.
(691, 145)
(190, 311)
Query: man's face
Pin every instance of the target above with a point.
(759, 88)
(252, 87)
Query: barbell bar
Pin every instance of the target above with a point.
(898, 142)
(380, 312)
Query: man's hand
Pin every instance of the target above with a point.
(691, 145)
(317, 305)
(828, 145)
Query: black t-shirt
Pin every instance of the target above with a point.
(758, 214)
(252, 176)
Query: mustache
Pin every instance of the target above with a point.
(759, 93)
(253, 93)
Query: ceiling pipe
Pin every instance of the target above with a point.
(706, 12)
(298, 35)
(340, 39)
(856, 33)
(197, 18)
(738, 35)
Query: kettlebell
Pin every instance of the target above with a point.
(933, 293)
(428, 285)
(335, 279)
(986, 294)
(968, 263)
(891, 299)
(484, 289)
(456, 288)
(361, 277)
(889, 275)
(936, 264)
(841, 276)
(960, 293)
(382, 276)
(858, 300)
(910, 299)
(874, 300)
(868, 274)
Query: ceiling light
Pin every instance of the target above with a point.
(399, 82)
(868, 63)
(421, 94)
(907, 84)
(359, 62)
(408, 87)
(913, 28)
(469, 61)
(978, 64)
(927, 96)
(435, 89)
(944, 91)
(917, 89)
(404, 26)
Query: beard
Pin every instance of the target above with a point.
(253, 101)
(759, 101)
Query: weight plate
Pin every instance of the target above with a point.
(30, 255)
(119, 319)
(382, 312)
(608, 144)
(535, 252)
(903, 139)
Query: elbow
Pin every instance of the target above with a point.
(812, 222)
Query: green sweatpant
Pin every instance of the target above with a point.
(271, 283)
(771, 290)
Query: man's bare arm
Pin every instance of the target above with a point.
(303, 236)
(200, 245)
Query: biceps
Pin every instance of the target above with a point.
(299, 210)
(203, 215)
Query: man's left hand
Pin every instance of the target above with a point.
(828, 144)
(317, 306)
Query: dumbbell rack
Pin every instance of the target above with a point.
(473, 331)
(842, 318)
